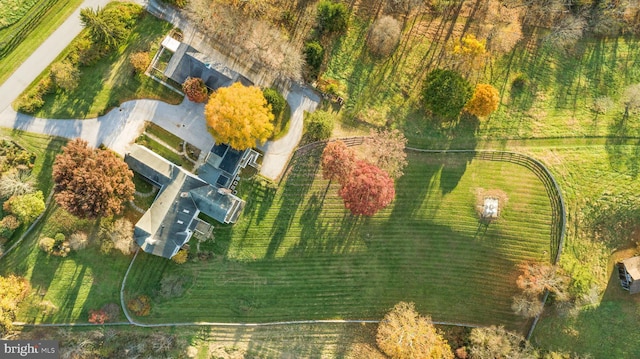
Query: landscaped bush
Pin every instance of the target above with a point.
(26, 207)
(177, 3)
(8, 225)
(180, 257)
(140, 305)
(78, 241)
(314, 53)
(276, 100)
(29, 102)
(140, 61)
(97, 316)
(384, 36)
(195, 89)
(65, 75)
(46, 244)
(319, 126)
(61, 246)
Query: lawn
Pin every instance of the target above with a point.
(111, 80)
(165, 152)
(41, 29)
(297, 254)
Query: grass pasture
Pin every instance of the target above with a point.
(297, 254)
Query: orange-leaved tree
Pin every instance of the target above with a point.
(195, 89)
(484, 101)
(89, 182)
(239, 115)
(367, 189)
(337, 161)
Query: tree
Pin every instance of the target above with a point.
(526, 305)
(319, 126)
(195, 89)
(367, 189)
(538, 277)
(275, 100)
(91, 182)
(631, 98)
(468, 54)
(26, 207)
(405, 334)
(239, 115)
(332, 17)
(446, 93)
(120, 233)
(102, 30)
(496, 342)
(384, 36)
(98, 316)
(14, 290)
(314, 53)
(65, 75)
(484, 101)
(180, 257)
(140, 61)
(337, 161)
(385, 149)
(567, 33)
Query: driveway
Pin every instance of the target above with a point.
(119, 128)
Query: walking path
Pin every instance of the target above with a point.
(119, 128)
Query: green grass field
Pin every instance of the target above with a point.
(53, 18)
(13, 10)
(111, 80)
(297, 254)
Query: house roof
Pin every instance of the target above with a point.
(170, 44)
(188, 62)
(167, 225)
(632, 266)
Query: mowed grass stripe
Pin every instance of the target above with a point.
(301, 255)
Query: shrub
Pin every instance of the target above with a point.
(180, 257)
(140, 305)
(140, 61)
(97, 316)
(384, 36)
(177, 3)
(319, 126)
(61, 246)
(26, 207)
(520, 82)
(15, 183)
(195, 89)
(47, 244)
(276, 100)
(602, 104)
(29, 102)
(10, 223)
(332, 17)
(313, 54)
(78, 241)
(65, 75)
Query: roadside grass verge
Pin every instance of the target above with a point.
(297, 254)
(50, 21)
(111, 80)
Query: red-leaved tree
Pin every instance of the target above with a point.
(337, 161)
(367, 189)
(195, 89)
(98, 316)
(89, 182)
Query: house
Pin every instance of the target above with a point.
(188, 62)
(173, 216)
(629, 274)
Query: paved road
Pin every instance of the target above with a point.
(118, 128)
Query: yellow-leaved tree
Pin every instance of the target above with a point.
(239, 115)
(467, 54)
(484, 101)
(405, 334)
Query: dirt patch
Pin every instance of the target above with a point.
(482, 193)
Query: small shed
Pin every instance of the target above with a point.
(629, 274)
(490, 208)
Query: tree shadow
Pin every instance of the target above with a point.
(623, 146)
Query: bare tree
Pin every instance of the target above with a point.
(567, 33)
(384, 36)
(120, 233)
(527, 306)
(631, 98)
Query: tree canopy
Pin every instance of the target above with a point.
(337, 161)
(485, 100)
(384, 35)
(367, 189)
(319, 125)
(195, 89)
(405, 334)
(111, 25)
(385, 149)
(446, 93)
(14, 290)
(239, 115)
(91, 182)
(332, 16)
